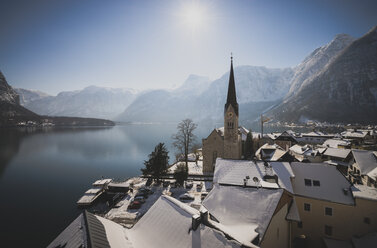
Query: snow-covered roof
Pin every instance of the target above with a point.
(168, 223)
(93, 191)
(366, 160)
(98, 231)
(368, 240)
(316, 134)
(334, 243)
(337, 152)
(303, 150)
(354, 134)
(334, 187)
(233, 172)
(336, 162)
(269, 152)
(364, 192)
(283, 171)
(102, 182)
(334, 143)
(245, 211)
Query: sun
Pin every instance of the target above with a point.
(193, 15)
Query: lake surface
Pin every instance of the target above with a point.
(44, 172)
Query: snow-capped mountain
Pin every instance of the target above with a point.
(344, 90)
(258, 84)
(316, 61)
(193, 86)
(93, 101)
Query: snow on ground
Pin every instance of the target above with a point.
(194, 168)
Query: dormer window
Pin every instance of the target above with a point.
(308, 182)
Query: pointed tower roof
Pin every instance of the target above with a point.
(232, 98)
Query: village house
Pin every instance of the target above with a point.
(363, 169)
(254, 201)
(360, 137)
(314, 137)
(341, 158)
(273, 153)
(285, 139)
(305, 153)
(329, 207)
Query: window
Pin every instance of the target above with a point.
(367, 220)
(308, 182)
(214, 157)
(328, 211)
(316, 183)
(307, 207)
(328, 230)
(299, 224)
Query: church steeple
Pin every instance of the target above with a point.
(231, 99)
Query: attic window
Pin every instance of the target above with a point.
(308, 182)
(328, 211)
(307, 207)
(316, 183)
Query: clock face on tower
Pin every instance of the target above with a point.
(230, 114)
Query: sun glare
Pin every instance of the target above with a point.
(193, 16)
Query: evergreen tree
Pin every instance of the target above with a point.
(157, 164)
(181, 173)
(249, 149)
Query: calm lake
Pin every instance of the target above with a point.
(44, 172)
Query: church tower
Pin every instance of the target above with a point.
(232, 139)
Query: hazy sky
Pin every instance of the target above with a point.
(57, 45)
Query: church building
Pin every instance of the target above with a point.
(225, 142)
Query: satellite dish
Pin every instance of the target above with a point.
(255, 179)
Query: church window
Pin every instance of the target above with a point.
(214, 157)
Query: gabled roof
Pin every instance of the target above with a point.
(168, 223)
(247, 212)
(233, 172)
(334, 143)
(364, 192)
(270, 152)
(334, 187)
(354, 134)
(366, 160)
(337, 152)
(89, 230)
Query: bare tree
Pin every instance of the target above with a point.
(185, 138)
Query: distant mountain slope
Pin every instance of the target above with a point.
(316, 61)
(253, 84)
(10, 109)
(27, 96)
(98, 102)
(345, 90)
(12, 113)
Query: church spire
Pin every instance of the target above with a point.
(231, 99)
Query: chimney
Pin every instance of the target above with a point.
(195, 221)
